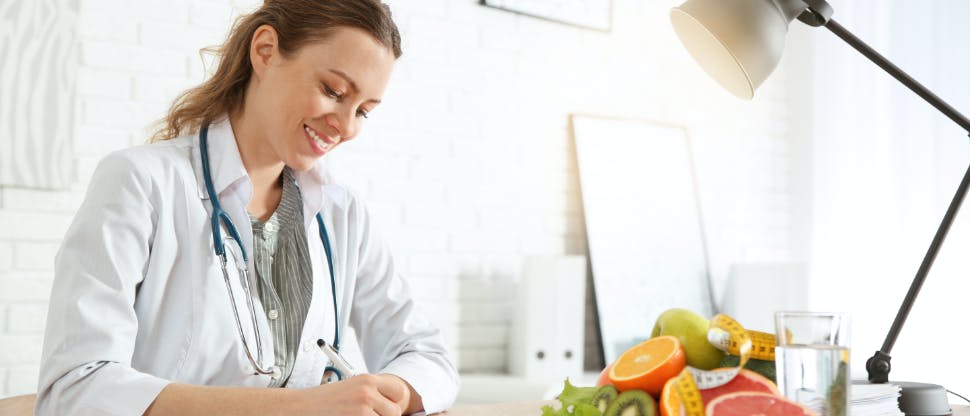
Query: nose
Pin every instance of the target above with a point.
(343, 122)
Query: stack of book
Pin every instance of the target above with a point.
(864, 400)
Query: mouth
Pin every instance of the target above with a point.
(320, 143)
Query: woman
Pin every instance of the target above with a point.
(141, 321)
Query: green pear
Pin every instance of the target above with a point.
(691, 329)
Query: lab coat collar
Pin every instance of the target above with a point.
(228, 170)
(225, 164)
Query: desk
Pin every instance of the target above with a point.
(498, 409)
(532, 409)
(24, 406)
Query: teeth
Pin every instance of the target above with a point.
(320, 142)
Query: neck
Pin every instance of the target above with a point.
(258, 157)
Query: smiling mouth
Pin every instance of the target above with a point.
(322, 143)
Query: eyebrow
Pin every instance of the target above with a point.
(352, 83)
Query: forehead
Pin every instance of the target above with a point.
(349, 50)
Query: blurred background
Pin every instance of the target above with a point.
(833, 173)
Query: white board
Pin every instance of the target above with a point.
(646, 242)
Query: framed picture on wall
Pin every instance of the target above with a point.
(37, 103)
(590, 14)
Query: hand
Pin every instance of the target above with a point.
(403, 391)
(364, 394)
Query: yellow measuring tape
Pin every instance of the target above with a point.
(762, 343)
(728, 335)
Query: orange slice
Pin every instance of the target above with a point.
(669, 403)
(648, 365)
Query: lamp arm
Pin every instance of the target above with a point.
(897, 73)
(878, 365)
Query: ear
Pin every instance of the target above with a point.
(263, 49)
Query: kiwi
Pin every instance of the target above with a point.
(604, 396)
(632, 403)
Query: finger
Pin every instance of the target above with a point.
(385, 407)
(392, 387)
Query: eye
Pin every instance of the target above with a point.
(330, 92)
(362, 113)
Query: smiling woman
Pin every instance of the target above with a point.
(144, 317)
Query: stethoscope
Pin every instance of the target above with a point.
(219, 215)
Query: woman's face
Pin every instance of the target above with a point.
(309, 103)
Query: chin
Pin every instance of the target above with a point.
(302, 164)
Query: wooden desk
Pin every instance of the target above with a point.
(498, 409)
(24, 406)
(17, 406)
(532, 409)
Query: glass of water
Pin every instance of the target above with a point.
(812, 360)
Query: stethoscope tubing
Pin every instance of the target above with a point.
(221, 216)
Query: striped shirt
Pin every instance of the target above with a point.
(284, 279)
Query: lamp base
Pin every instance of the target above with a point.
(923, 399)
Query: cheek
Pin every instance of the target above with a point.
(316, 104)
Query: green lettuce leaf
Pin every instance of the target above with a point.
(576, 401)
(572, 395)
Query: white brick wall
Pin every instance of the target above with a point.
(25, 317)
(3, 330)
(6, 260)
(468, 166)
(22, 379)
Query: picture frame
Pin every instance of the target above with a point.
(588, 14)
(647, 248)
(38, 102)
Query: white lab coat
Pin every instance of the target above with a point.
(139, 299)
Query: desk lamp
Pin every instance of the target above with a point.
(739, 43)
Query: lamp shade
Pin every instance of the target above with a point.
(737, 42)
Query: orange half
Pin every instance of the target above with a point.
(648, 365)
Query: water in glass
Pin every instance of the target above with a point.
(816, 376)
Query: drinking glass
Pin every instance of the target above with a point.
(812, 360)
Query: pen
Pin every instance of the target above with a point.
(345, 369)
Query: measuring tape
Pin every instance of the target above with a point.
(762, 343)
(727, 335)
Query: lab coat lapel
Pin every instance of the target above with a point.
(311, 183)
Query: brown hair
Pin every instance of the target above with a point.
(297, 23)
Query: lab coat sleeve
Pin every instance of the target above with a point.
(91, 326)
(396, 337)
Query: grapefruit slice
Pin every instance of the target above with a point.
(604, 378)
(648, 365)
(750, 403)
(745, 381)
